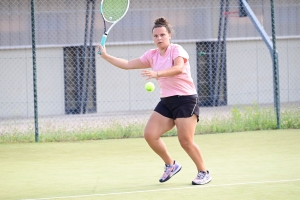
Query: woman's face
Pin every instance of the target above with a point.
(161, 37)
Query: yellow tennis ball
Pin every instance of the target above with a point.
(149, 86)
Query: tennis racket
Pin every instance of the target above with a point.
(112, 11)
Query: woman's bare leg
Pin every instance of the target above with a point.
(157, 125)
(186, 130)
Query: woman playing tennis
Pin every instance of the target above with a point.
(178, 104)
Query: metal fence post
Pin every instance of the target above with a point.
(34, 72)
(275, 68)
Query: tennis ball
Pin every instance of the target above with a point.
(150, 87)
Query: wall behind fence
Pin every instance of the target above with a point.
(75, 84)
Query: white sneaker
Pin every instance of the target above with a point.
(170, 170)
(202, 178)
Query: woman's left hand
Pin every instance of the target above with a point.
(149, 74)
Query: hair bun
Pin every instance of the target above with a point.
(161, 21)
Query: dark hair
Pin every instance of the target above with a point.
(162, 22)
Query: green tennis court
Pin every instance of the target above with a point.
(247, 165)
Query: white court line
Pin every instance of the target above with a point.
(166, 189)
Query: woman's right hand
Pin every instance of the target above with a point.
(102, 51)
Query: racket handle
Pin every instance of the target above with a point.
(103, 40)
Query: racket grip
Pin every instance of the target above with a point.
(103, 40)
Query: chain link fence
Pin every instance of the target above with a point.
(77, 91)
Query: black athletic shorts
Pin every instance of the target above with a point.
(178, 106)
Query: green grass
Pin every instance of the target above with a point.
(248, 165)
(248, 118)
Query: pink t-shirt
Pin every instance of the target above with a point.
(181, 84)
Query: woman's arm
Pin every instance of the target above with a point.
(176, 69)
(122, 63)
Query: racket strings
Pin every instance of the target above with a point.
(114, 10)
